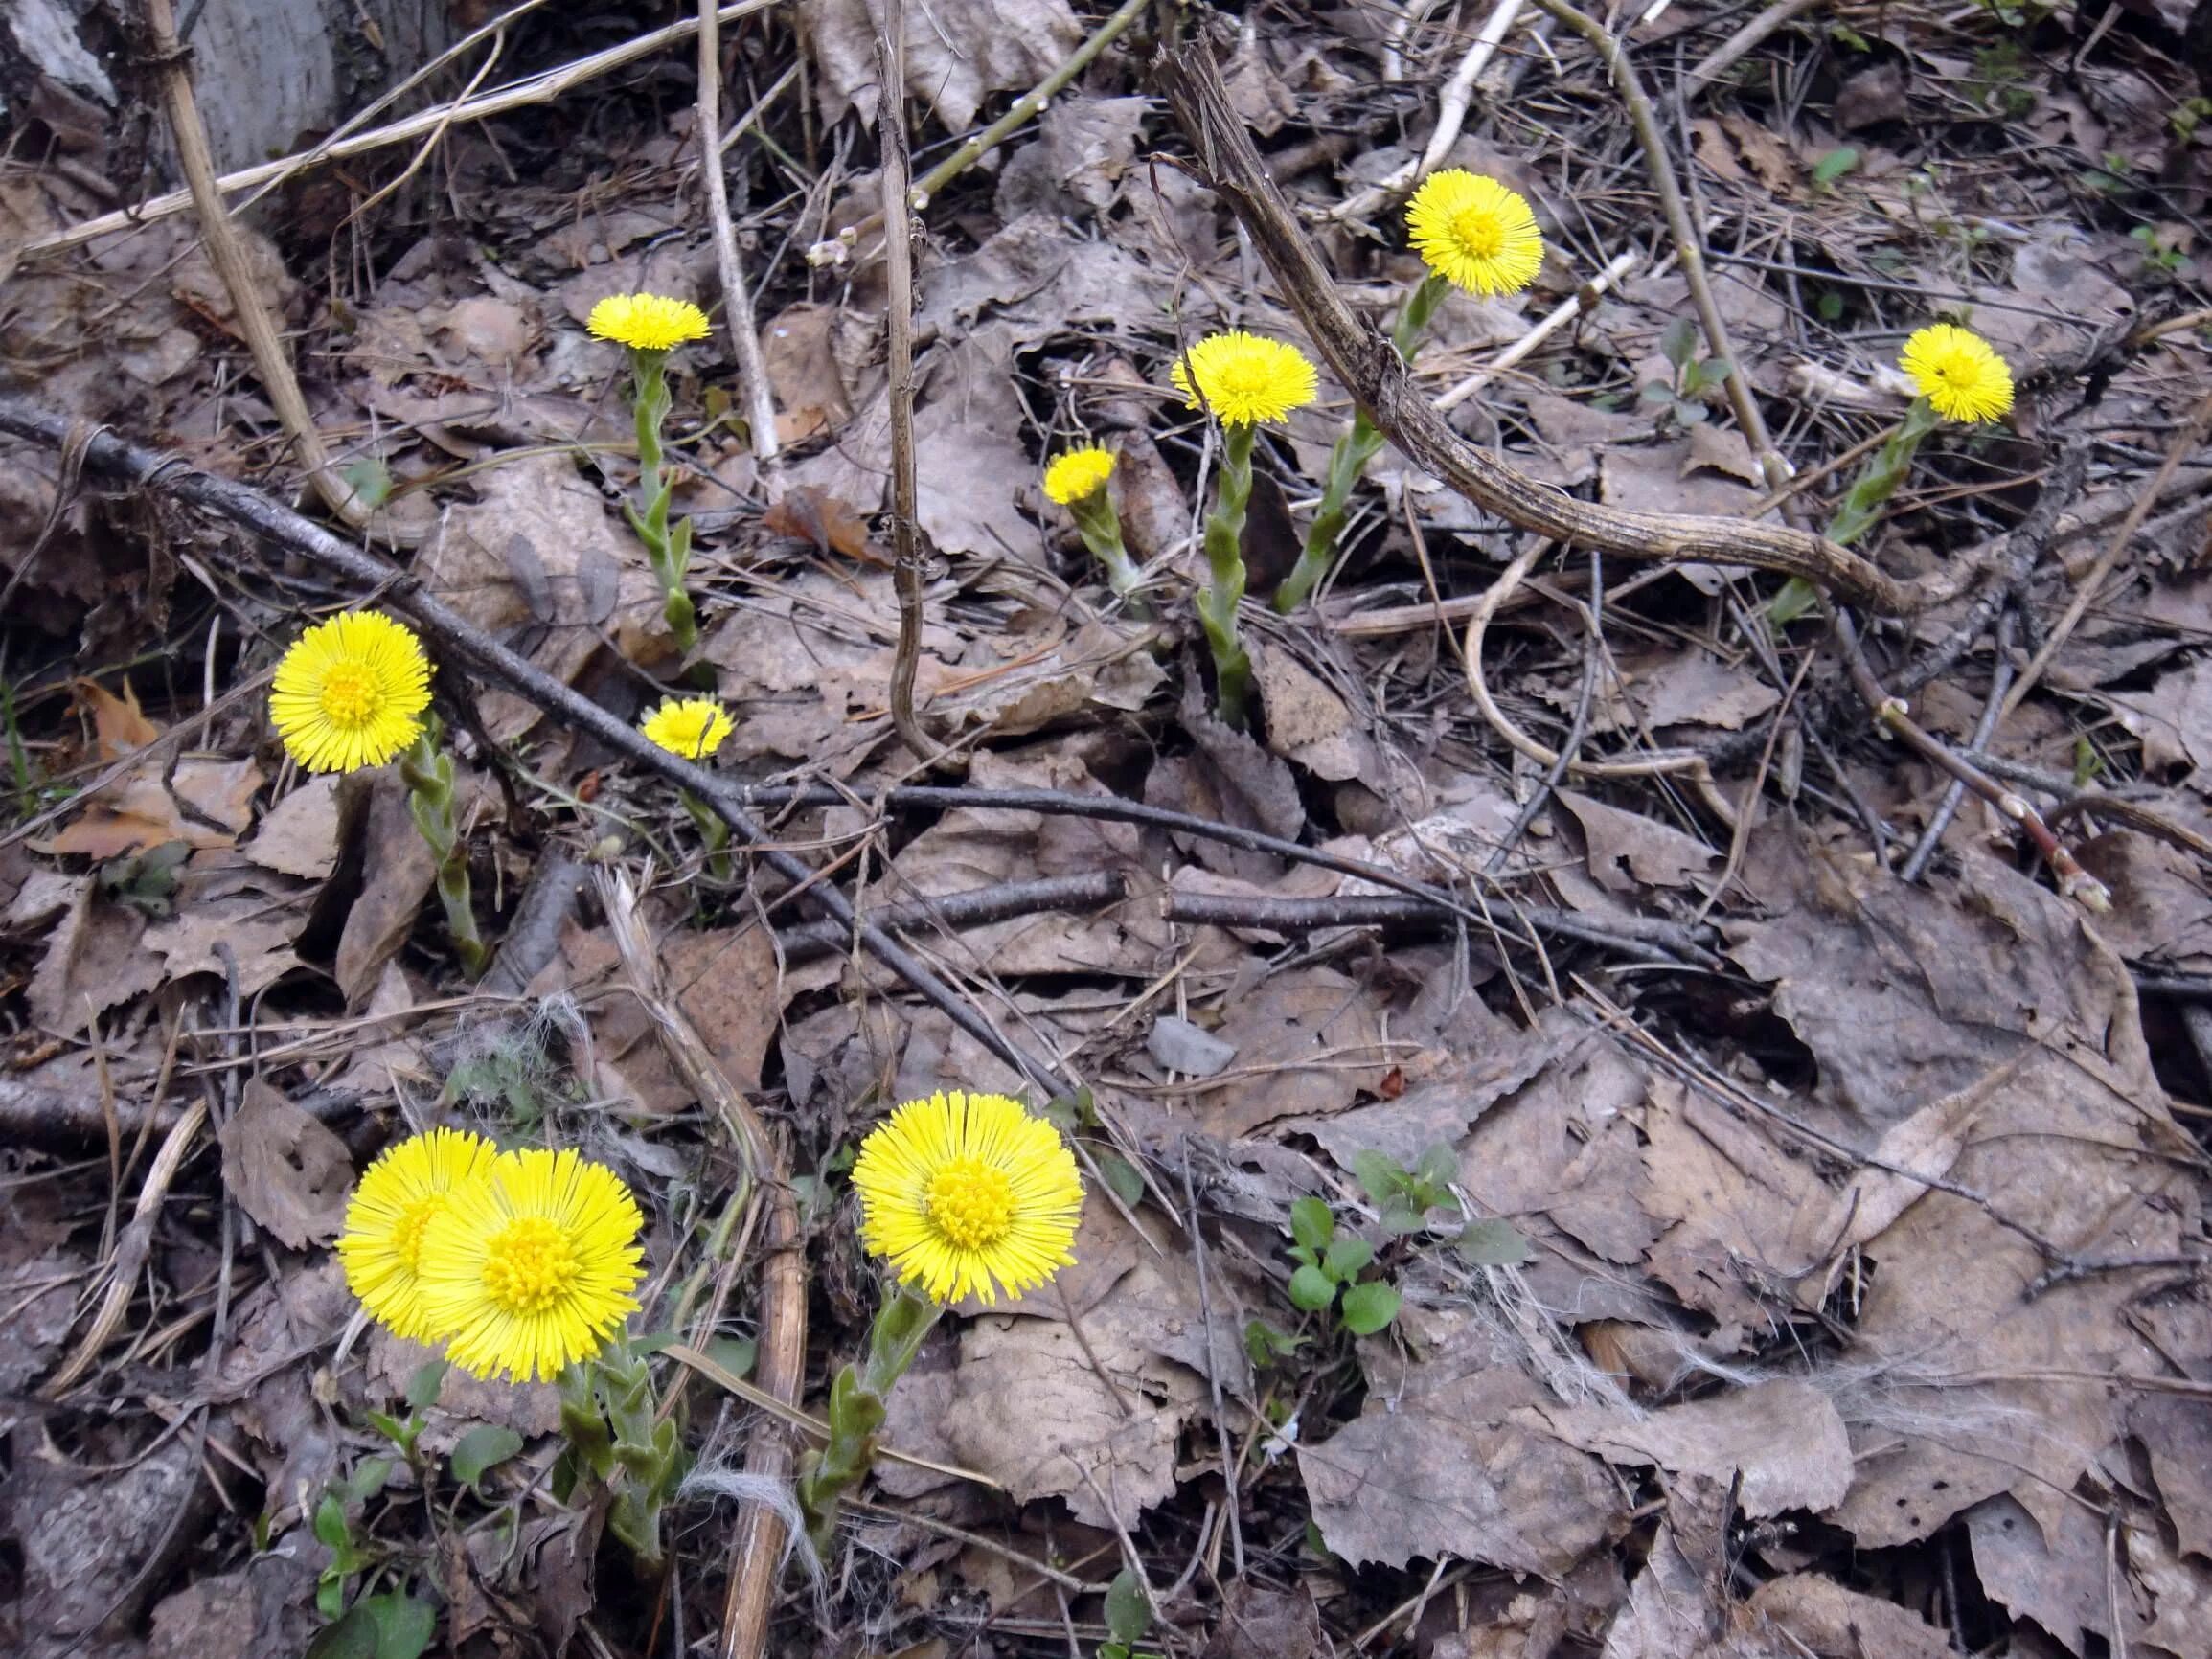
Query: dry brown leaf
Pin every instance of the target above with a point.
(1671, 1612)
(287, 1172)
(1306, 722)
(726, 981)
(204, 803)
(831, 526)
(299, 835)
(1692, 688)
(1432, 1466)
(802, 366)
(265, 1606)
(397, 873)
(966, 51)
(1308, 1042)
(1625, 848)
(117, 723)
(1783, 1438)
(95, 958)
(1833, 1623)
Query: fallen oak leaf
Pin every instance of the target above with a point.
(118, 723)
(833, 525)
(287, 1172)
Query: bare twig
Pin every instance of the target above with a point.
(1741, 44)
(899, 275)
(2186, 442)
(1644, 938)
(1558, 317)
(1891, 715)
(540, 88)
(2000, 676)
(1451, 106)
(978, 908)
(1689, 246)
(226, 251)
(737, 296)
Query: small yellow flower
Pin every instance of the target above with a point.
(1078, 475)
(382, 1246)
(1958, 371)
(1474, 233)
(647, 322)
(692, 727)
(1246, 378)
(531, 1268)
(350, 692)
(960, 1191)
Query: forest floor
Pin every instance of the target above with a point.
(1768, 1189)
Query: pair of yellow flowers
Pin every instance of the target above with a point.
(524, 1263)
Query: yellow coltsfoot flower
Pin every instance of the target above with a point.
(963, 1192)
(350, 692)
(1958, 371)
(647, 322)
(1474, 233)
(1246, 378)
(531, 1268)
(381, 1247)
(692, 727)
(1078, 475)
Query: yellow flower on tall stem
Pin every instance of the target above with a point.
(965, 1192)
(647, 322)
(1958, 371)
(532, 1269)
(1077, 480)
(350, 692)
(1246, 378)
(382, 1246)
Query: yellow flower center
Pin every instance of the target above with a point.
(528, 1265)
(407, 1231)
(1480, 232)
(972, 1202)
(351, 696)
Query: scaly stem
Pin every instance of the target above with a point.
(1101, 530)
(712, 830)
(614, 1429)
(1861, 507)
(857, 1402)
(429, 771)
(1225, 565)
(667, 549)
(1354, 451)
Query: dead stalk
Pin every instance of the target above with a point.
(737, 296)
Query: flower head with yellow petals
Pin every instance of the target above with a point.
(1078, 475)
(1474, 233)
(963, 1194)
(1958, 371)
(382, 1246)
(531, 1268)
(350, 692)
(692, 727)
(1246, 378)
(647, 322)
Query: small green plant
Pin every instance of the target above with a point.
(1681, 399)
(1264, 1345)
(1833, 166)
(2188, 116)
(146, 881)
(2160, 251)
(1330, 1265)
(1128, 1614)
(421, 1393)
(1402, 1196)
(351, 1554)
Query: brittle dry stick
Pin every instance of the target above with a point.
(737, 296)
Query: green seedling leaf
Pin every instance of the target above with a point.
(735, 1355)
(1492, 1244)
(368, 1478)
(1655, 392)
(1378, 1175)
(1070, 1112)
(1128, 1613)
(1401, 1216)
(355, 1636)
(405, 1624)
(1710, 373)
(1439, 1167)
(1368, 1308)
(369, 478)
(1679, 342)
(1796, 597)
(1345, 1259)
(1833, 165)
(424, 1386)
(1312, 1289)
(1302, 1253)
(331, 1531)
(1829, 306)
(1264, 1344)
(481, 1449)
(1123, 1176)
(1310, 1223)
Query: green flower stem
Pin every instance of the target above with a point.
(715, 832)
(612, 1423)
(1862, 504)
(857, 1401)
(429, 771)
(1226, 565)
(1354, 451)
(668, 548)
(1101, 530)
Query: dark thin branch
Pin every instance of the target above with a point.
(1644, 940)
(461, 641)
(955, 911)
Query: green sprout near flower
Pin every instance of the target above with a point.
(1244, 379)
(1474, 235)
(649, 326)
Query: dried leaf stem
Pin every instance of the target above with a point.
(737, 295)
